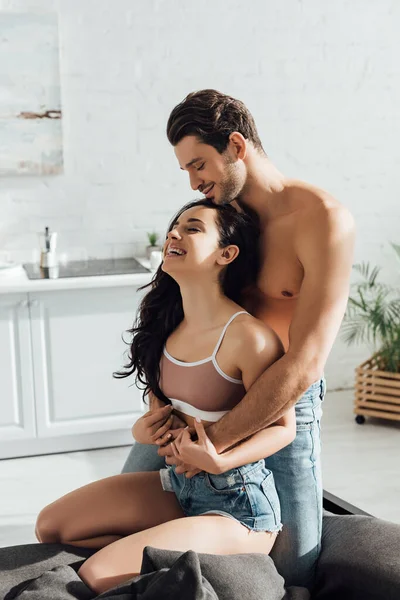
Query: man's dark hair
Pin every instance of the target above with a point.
(211, 116)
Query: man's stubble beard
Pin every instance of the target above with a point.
(232, 184)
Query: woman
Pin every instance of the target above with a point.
(193, 310)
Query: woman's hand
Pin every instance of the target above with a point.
(165, 449)
(153, 425)
(201, 454)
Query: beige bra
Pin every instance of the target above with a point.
(200, 388)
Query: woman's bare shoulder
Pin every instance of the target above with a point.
(250, 334)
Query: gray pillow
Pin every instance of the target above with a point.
(233, 577)
(360, 559)
(42, 571)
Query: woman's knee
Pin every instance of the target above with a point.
(89, 576)
(96, 576)
(47, 530)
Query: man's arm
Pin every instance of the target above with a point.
(324, 246)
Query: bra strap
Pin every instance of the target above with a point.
(221, 337)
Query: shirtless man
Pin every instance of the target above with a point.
(307, 248)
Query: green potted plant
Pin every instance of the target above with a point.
(373, 316)
(152, 237)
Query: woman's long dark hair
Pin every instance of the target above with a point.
(161, 311)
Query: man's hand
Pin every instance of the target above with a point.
(176, 426)
(152, 425)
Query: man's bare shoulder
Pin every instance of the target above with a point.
(319, 212)
(308, 196)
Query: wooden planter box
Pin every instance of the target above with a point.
(377, 392)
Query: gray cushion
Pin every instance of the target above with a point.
(42, 572)
(360, 559)
(234, 577)
(21, 564)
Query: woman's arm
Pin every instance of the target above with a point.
(262, 444)
(203, 456)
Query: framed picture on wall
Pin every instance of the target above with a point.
(30, 98)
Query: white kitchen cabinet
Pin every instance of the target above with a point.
(61, 348)
(17, 403)
(76, 340)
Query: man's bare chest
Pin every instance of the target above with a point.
(281, 273)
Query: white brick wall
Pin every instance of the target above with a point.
(322, 80)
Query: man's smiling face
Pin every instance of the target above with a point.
(220, 177)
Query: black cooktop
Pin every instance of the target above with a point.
(86, 268)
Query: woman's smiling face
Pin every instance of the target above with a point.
(192, 244)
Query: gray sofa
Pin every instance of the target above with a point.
(360, 560)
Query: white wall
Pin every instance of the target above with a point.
(321, 79)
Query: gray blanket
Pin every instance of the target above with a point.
(164, 575)
(360, 560)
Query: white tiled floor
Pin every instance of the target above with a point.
(361, 463)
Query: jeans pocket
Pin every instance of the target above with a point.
(323, 389)
(223, 484)
(269, 490)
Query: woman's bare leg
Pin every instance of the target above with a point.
(212, 534)
(102, 512)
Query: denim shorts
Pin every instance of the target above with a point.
(246, 494)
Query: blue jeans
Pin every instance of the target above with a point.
(297, 473)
